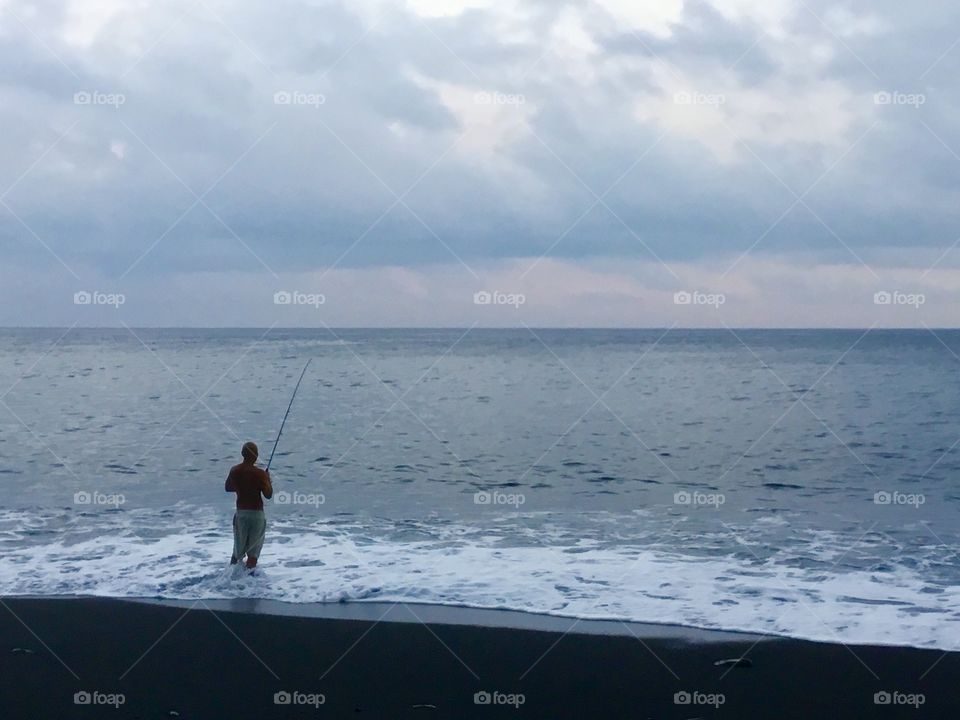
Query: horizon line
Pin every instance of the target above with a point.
(328, 328)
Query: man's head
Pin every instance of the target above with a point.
(250, 452)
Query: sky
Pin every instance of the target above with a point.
(709, 163)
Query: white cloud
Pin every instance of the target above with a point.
(719, 111)
(846, 23)
(657, 18)
(86, 21)
(492, 118)
(447, 8)
(771, 15)
(570, 36)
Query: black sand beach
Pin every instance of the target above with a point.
(209, 661)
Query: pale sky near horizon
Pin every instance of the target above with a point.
(762, 163)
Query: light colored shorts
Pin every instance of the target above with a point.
(249, 528)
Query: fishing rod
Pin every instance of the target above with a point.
(287, 413)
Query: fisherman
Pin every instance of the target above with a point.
(251, 484)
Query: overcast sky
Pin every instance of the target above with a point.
(374, 163)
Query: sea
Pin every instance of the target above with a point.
(800, 483)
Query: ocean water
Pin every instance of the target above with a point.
(801, 483)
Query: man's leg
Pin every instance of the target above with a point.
(257, 529)
(239, 541)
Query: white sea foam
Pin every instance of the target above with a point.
(327, 563)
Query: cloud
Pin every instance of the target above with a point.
(794, 290)
(657, 18)
(725, 116)
(146, 143)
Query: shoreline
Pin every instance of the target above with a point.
(461, 615)
(473, 616)
(232, 658)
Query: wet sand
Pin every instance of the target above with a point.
(245, 659)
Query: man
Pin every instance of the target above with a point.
(249, 523)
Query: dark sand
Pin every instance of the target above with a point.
(228, 662)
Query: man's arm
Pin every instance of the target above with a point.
(230, 485)
(267, 485)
